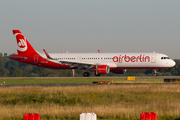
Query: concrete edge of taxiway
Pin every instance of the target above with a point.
(89, 84)
(96, 77)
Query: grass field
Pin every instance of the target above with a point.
(109, 102)
(33, 81)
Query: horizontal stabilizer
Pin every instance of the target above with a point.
(17, 57)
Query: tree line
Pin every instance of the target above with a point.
(12, 68)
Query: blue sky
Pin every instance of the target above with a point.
(89, 25)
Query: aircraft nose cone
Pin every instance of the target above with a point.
(173, 63)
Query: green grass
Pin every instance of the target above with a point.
(33, 81)
(108, 102)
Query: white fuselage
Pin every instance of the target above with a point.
(118, 60)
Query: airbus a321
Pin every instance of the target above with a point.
(100, 63)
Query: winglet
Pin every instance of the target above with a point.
(47, 55)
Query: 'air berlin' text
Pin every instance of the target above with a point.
(126, 58)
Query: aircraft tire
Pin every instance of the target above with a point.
(97, 75)
(86, 74)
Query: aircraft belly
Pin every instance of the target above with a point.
(135, 65)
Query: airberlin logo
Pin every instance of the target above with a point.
(22, 45)
(126, 58)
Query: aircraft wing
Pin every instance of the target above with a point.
(80, 64)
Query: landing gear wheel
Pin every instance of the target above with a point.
(155, 74)
(86, 74)
(97, 75)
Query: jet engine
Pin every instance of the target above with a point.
(118, 71)
(101, 69)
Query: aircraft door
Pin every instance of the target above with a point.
(79, 58)
(36, 58)
(153, 58)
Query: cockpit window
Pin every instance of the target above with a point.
(164, 57)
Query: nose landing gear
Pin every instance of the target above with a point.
(155, 72)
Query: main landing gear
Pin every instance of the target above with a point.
(97, 75)
(86, 74)
(155, 72)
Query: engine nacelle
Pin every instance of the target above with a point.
(101, 69)
(118, 71)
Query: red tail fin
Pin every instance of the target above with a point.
(24, 47)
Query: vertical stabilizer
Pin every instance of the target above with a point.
(23, 46)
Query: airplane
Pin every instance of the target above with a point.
(99, 63)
